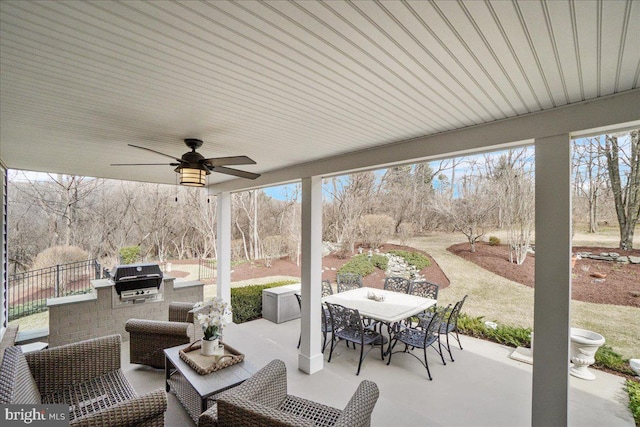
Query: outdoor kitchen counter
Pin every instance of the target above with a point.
(79, 317)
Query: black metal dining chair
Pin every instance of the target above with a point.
(326, 288)
(325, 326)
(450, 326)
(349, 326)
(425, 289)
(425, 335)
(348, 281)
(397, 284)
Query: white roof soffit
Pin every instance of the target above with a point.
(292, 83)
(612, 113)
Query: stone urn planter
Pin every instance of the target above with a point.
(584, 345)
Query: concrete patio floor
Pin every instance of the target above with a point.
(483, 387)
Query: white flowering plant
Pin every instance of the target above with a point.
(213, 317)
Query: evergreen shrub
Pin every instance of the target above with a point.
(129, 254)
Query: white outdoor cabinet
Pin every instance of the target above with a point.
(280, 304)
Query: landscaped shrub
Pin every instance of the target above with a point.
(362, 265)
(129, 254)
(246, 302)
(515, 336)
(606, 357)
(633, 390)
(494, 241)
(380, 261)
(416, 259)
(47, 260)
(504, 334)
(59, 255)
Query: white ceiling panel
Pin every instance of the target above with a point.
(288, 82)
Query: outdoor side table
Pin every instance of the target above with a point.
(198, 392)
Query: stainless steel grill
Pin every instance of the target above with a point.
(136, 281)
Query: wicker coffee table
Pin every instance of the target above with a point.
(198, 392)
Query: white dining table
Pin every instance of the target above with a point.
(395, 307)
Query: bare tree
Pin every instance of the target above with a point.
(623, 162)
(512, 177)
(350, 197)
(469, 212)
(375, 229)
(406, 192)
(590, 175)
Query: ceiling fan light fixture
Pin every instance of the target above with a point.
(193, 177)
(193, 168)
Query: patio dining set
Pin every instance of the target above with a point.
(403, 312)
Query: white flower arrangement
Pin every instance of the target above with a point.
(213, 318)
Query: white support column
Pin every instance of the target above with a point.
(223, 246)
(310, 358)
(552, 282)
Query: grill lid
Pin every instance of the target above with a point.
(136, 276)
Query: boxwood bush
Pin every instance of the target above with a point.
(246, 302)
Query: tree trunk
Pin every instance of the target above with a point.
(627, 198)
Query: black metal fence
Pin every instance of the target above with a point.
(206, 269)
(28, 291)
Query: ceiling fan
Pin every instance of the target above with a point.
(193, 167)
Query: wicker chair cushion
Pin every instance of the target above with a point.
(94, 395)
(317, 413)
(234, 411)
(16, 382)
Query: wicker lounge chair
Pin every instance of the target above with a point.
(262, 400)
(84, 375)
(148, 338)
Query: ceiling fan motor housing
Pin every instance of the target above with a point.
(193, 160)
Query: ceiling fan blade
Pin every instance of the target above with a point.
(233, 160)
(234, 172)
(144, 164)
(157, 152)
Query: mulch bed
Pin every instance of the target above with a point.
(621, 283)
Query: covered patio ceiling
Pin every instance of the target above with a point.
(291, 83)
